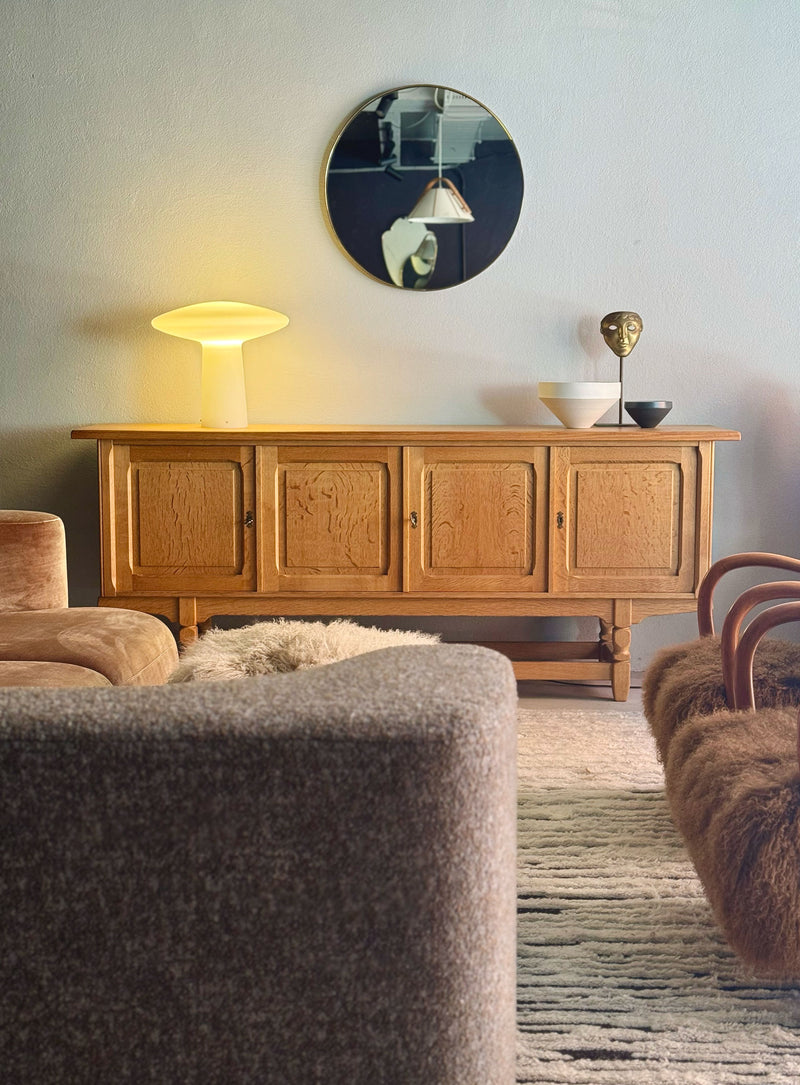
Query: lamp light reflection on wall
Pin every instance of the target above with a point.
(221, 327)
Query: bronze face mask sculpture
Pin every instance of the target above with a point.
(621, 331)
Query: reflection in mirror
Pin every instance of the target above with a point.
(422, 187)
(409, 253)
(420, 265)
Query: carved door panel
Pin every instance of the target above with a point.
(624, 519)
(334, 514)
(475, 519)
(183, 516)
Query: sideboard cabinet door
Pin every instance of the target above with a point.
(624, 520)
(183, 518)
(330, 518)
(475, 519)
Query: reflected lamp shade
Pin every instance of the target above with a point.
(221, 327)
(441, 202)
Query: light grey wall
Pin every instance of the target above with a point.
(156, 154)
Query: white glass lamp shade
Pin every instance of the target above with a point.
(221, 327)
(441, 202)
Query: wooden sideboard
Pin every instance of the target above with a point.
(612, 522)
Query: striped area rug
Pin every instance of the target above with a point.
(623, 978)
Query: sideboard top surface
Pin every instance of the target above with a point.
(168, 432)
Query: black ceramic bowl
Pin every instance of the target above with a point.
(647, 413)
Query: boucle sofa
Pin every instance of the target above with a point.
(288, 880)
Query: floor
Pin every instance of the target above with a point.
(579, 694)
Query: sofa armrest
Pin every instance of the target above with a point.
(295, 879)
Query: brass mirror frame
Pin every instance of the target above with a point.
(325, 171)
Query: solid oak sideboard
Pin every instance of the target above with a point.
(612, 522)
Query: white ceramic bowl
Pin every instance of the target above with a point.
(579, 404)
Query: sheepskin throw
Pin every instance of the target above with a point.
(733, 787)
(271, 647)
(685, 680)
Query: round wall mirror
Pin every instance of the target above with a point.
(422, 187)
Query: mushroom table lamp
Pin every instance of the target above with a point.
(221, 327)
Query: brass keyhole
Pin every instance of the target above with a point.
(413, 519)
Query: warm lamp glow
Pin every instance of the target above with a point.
(221, 327)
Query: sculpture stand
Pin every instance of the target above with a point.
(621, 331)
(621, 390)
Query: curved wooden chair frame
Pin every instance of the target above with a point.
(742, 663)
(749, 559)
(737, 648)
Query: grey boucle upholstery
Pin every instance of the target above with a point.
(306, 878)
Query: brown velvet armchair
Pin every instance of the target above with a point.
(45, 642)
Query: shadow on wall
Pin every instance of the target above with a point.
(144, 374)
(757, 497)
(43, 470)
(513, 404)
(757, 503)
(124, 324)
(773, 455)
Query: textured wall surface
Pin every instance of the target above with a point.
(156, 155)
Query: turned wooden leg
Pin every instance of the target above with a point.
(615, 643)
(621, 662)
(606, 636)
(187, 620)
(621, 649)
(187, 635)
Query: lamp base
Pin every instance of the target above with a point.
(223, 402)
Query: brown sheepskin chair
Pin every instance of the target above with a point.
(732, 771)
(696, 678)
(733, 787)
(685, 680)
